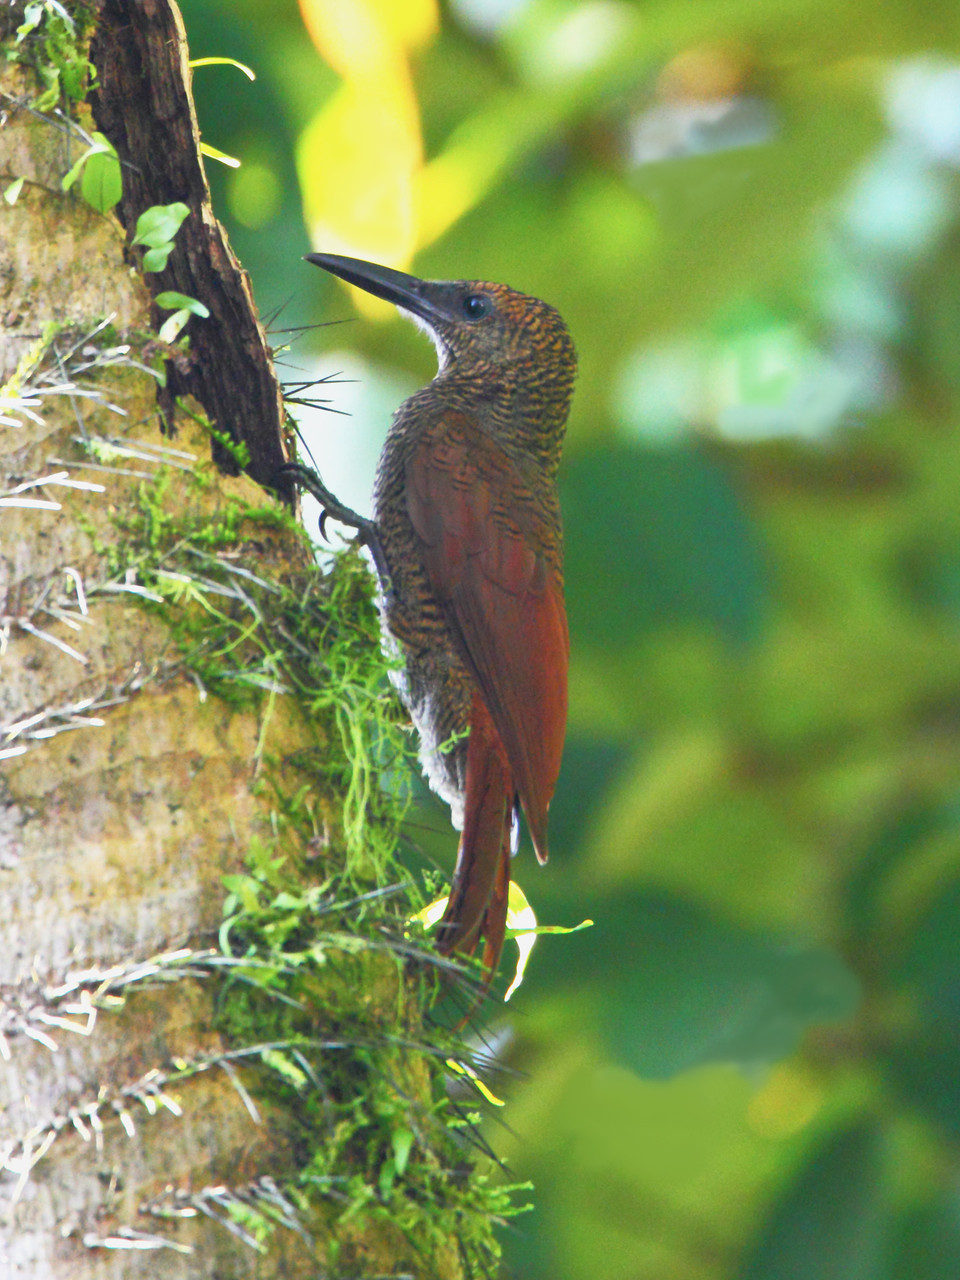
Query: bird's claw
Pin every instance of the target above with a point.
(331, 507)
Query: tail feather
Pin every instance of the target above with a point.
(477, 906)
(494, 925)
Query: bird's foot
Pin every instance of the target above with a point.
(332, 508)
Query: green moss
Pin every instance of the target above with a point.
(327, 979)
(326, 987)
(54, 46)
(236, 449)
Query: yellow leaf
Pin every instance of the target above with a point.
(358, 37)
(433, 913)
(463, 1069)
(522, 918)
(224, 62)
(521, 926)
(230, 161)
(360, 156)
(357, 160)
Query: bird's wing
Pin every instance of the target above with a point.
(493, 558)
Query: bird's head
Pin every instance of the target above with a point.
(475, 325)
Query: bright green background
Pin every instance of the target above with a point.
(750, 1066)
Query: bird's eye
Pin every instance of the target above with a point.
(475, 305)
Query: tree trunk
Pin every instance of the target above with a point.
(185, 698)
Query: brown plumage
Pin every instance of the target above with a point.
(467, 542)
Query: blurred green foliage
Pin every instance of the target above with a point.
(748, 213)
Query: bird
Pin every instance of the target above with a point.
(466, 539)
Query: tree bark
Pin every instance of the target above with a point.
(142, 1133)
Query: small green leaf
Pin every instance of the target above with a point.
(101, 184)
(158, 225)
(171, 327)
(156, 259)
(402, 1140)
(388, 1172)
(170, 299)
(223, 62)
(246, 888)
(280, 1063)
(12, 193)
(287, 901)
(70, 177)
(31, 20)
(223, 936)
(48, 99)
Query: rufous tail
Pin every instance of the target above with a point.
(477, 906)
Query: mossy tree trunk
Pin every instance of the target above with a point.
(180, 692)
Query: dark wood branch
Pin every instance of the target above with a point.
(143, 104)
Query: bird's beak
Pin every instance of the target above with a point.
(383, 282)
